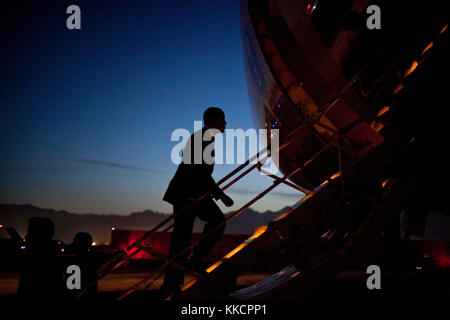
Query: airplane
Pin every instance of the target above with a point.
(360, 114)
(362, 132)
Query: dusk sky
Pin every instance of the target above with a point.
(87, 115)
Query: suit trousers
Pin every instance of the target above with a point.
(206, 210)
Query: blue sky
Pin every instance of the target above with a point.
(87, 115)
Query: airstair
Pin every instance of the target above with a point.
(309, 243)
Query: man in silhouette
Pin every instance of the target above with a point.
(42, 276)
(83, 257)
(192, 179)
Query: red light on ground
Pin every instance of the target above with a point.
(444, 261)
(437, 250)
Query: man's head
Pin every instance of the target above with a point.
(82, 242)
(40, 232)
(214, 118)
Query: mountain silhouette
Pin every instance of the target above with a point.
(99, 226)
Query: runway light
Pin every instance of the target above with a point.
(444, 28)
(384, 183)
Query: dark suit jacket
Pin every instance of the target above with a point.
(191, 180)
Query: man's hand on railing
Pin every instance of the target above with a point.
(227, 200)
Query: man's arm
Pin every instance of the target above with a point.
(219, 194)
